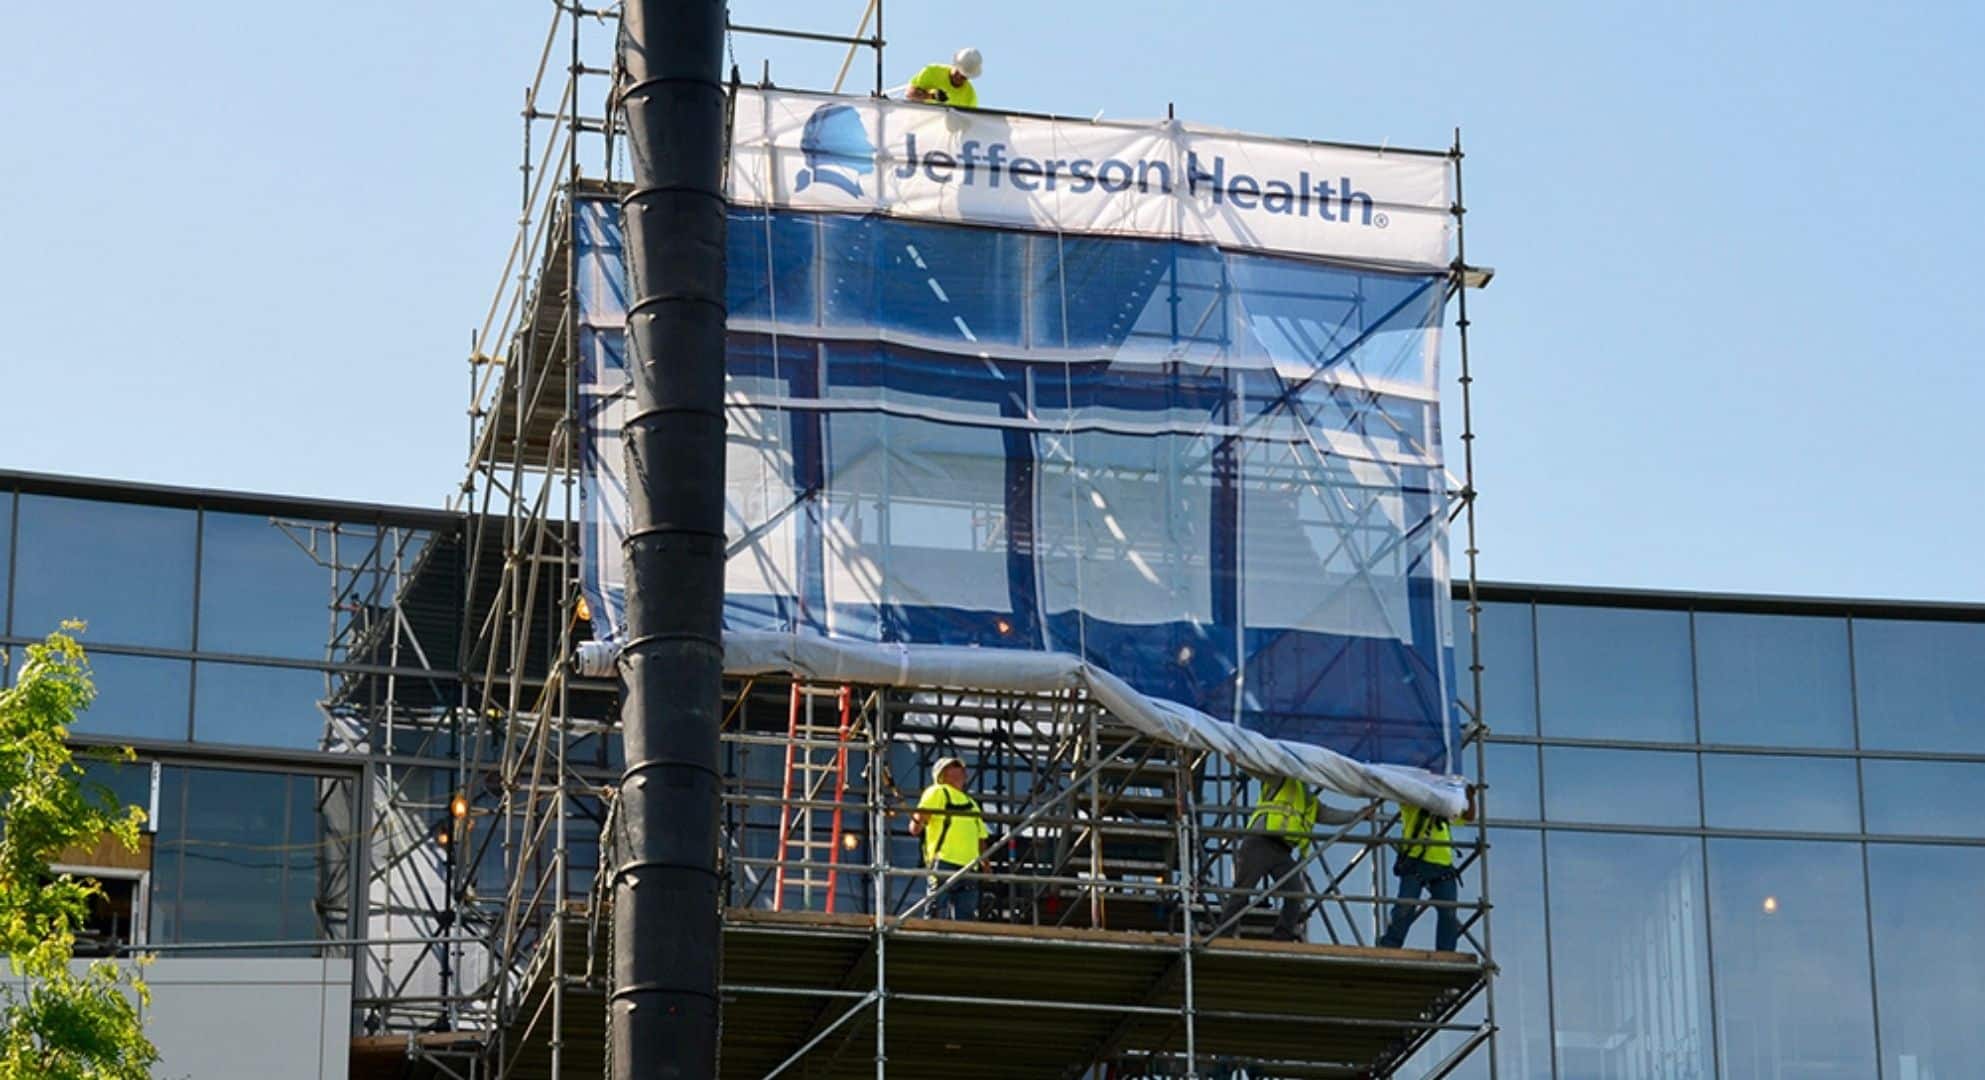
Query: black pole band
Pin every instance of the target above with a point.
(666, 933)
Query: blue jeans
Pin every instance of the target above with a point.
(1439, 883)
(960, 901)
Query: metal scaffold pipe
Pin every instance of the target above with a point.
(665, 887)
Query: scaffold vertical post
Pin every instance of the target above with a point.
(1480, 728)
(878, 857)
(1188, 843)
(1093, 736)
(879, 77)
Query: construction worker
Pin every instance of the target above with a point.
(1426, 864)
(954, 833)
(950, 84)
(1279, 837)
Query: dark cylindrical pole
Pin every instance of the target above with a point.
(666, 936)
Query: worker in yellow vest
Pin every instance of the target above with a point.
(1279, 836)
(1426, 864)
(954, 834)
(950, 84)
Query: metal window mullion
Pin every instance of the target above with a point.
(1715, 1032)
(193, 670)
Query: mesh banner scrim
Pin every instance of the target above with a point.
(1021, 403)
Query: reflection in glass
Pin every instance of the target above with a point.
(1620, 787)
(1615, 673)
(1748, 791)
(262, 590)
(250, 856)
(129, 783)
(1774, 680)
(1512, 777)
(1791, 934)
(1918, 685)
(143, 697)
(6, 557)
(252, 705)
(1509, 666)
(1929, 986)
(1925, 798)
(1523, 1007)
(1630, 969)
(125, 569)
(1436, 1049)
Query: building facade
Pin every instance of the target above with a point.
(1734, 836)
(1730, 836)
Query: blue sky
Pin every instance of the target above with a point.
(1731, 344)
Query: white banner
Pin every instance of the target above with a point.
(1164, 180)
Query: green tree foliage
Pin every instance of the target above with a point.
(57, 1023)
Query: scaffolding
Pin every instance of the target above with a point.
(1106, 944)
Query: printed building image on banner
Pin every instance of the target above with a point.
(1155, 404)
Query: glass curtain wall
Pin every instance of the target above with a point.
(215, 626)
(248, 653)
(1734, 838)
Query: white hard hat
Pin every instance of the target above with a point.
(969, 62)
(937, 770)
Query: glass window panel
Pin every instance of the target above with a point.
(1929, 987)
(129, 783)
(1620, 787)
(244, 856)
(262, 592)
(1925, 798)
(317, 897)
(143, 697)
(1512, 777)
(1918, 685)
(231, 849)
(1615, 673)
(1774, 680)
(125, 569)
(1523, 988)
(1509, 666)
(167, 865)
(1442, 1043)
(1747, 791)
(1630, 978)
(6, 556)
(252, 705)
(1791, 934)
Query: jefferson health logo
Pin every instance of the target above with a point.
(837, 150)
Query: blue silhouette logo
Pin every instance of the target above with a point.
(837, 149)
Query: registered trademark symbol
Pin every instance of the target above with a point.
(1381, 220)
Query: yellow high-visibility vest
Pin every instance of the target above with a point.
(936, 78)
(1287, 809)
(1427, 836)
(954, 829)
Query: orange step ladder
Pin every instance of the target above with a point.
(813, 763)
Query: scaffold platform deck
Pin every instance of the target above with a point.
(969, 1000)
